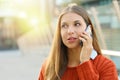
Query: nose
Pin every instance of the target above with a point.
(70, 30)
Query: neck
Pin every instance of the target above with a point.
(74, 57)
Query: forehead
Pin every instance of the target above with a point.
(69, 17)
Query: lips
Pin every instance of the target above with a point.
(71, 39)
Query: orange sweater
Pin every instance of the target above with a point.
(100, 68)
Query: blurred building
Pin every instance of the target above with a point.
(108, 19)
(8, 31)
(18, 17)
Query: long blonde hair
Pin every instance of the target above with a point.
(58, 59)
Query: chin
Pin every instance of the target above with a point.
(72, 46)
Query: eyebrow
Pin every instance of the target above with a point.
(63, 22)
(77, 21)
(73, 21)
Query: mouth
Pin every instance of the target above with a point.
(71, 39)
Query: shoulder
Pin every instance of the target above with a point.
(42, 71)
(102, 58)
(101, 62)
(43, 67)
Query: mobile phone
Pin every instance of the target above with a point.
(88, 30)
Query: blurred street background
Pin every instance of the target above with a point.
(27, 28)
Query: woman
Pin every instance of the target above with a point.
(72, 47)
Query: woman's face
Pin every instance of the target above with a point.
(72, 25)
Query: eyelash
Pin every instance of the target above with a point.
(65, 25)
(76, 24)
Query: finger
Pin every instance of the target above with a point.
(83, 40)
(87, 34)
(83, 35)
(87, 38)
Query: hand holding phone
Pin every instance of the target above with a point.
(88, 30)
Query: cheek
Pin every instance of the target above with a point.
(80, 30)
(63, 35)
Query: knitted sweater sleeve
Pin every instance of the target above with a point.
(100, 69)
